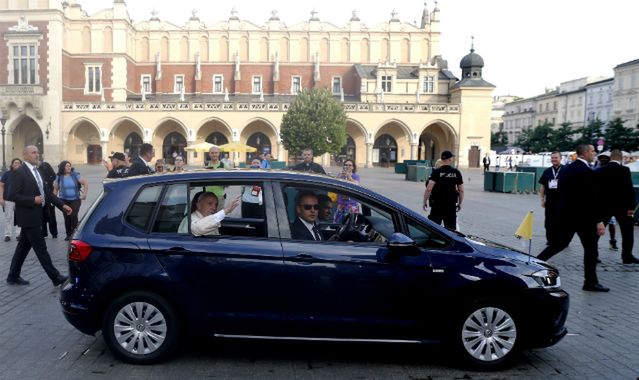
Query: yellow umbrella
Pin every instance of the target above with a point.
(201, 147)
(237, 147)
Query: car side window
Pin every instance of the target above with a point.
(172, 210)
(143, 205)
(248, 219)
(338, 215)
(424, 236)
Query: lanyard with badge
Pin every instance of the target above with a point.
(554, 183)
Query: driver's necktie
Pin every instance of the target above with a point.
(316, 233)
(36, 174)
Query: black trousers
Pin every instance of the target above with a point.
(486, 167)
(71, 220)
(49, 219)
(32, 238)
(443, 211)
(627, 228)
(587, 233)
(552, 225)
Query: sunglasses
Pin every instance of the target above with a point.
(309, 207)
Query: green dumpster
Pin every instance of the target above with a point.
(489, 181)
(537, 171)
(278, 165)
(505, 182)
(525, 182)
(401, 168)
(635, 178)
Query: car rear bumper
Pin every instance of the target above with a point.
(77, 314)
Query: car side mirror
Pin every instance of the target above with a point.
(401, 241)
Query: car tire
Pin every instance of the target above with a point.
(487, 335)
(141, 328)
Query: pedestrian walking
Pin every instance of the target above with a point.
(8, 206)
(618, 201)
(580, 214)
(29, 194)
(497, 160)
(549, 193)
(447, 188)
(72, 189)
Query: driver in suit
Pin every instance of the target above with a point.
(305, 225)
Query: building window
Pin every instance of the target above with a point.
(429, 85)
(218, 84)
(24, 61)
(541, 107)
(93, 79)
(554, 106)
(387, 82)
(178, 84)
(257, 84)
(337, 85)
(146, 84)
(296, 84)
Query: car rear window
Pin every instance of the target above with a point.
(142, 208)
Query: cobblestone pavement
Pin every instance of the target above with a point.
(37, 342)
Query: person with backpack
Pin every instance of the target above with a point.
(72, 189)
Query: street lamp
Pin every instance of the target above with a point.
(3, 131)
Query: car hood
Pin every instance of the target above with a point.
(492, 248)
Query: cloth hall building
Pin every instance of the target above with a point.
(80, 86)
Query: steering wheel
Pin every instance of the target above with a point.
(350, 229)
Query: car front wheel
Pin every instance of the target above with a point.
(141, 328)
(487, 336)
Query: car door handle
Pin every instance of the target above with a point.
(176, 249)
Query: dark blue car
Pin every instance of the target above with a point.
(282, 265)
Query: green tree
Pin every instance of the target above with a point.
(589, 134)
(524, 140)
(314, 120)
(617, 136)
(498, 138)
(562, 138)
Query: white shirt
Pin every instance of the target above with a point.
(310, 228)
(203, 225)
(38, 181)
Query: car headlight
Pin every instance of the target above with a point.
(547, 278)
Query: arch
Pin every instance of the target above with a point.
(284, 49)
(385, 150)
(264, 126)
(402, 136)
(244, 49)
(131, 144)
(216, 138)
(324, 50)
(271, 126)
(184, 49)
(261, 142)
(210, 125)
(224, 49)
(86, 40)
(344, 50)
(83, 142)
(365, 51)
(169, 120)
(24, 131)
(434, 138)
(173, 145)
(405, 51)
(303, 51)
(143, 49)
(384, 50)
(107, 40)
(164, 48)
(404, 128)
(357, 132)
(264, 50)
(204, 48)
(124, 119)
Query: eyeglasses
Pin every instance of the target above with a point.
(309, 207)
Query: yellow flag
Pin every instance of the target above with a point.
(525, 228)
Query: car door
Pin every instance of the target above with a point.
(352, 290)
(231, 283)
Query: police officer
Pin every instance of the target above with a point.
(549, 193)
(447, 188)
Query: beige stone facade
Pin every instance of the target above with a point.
(81, 86)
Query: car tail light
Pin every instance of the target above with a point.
(79, 250)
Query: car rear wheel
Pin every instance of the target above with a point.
(487, 335)
(141, 328)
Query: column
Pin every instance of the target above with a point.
(413, 151)
(369, 155)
